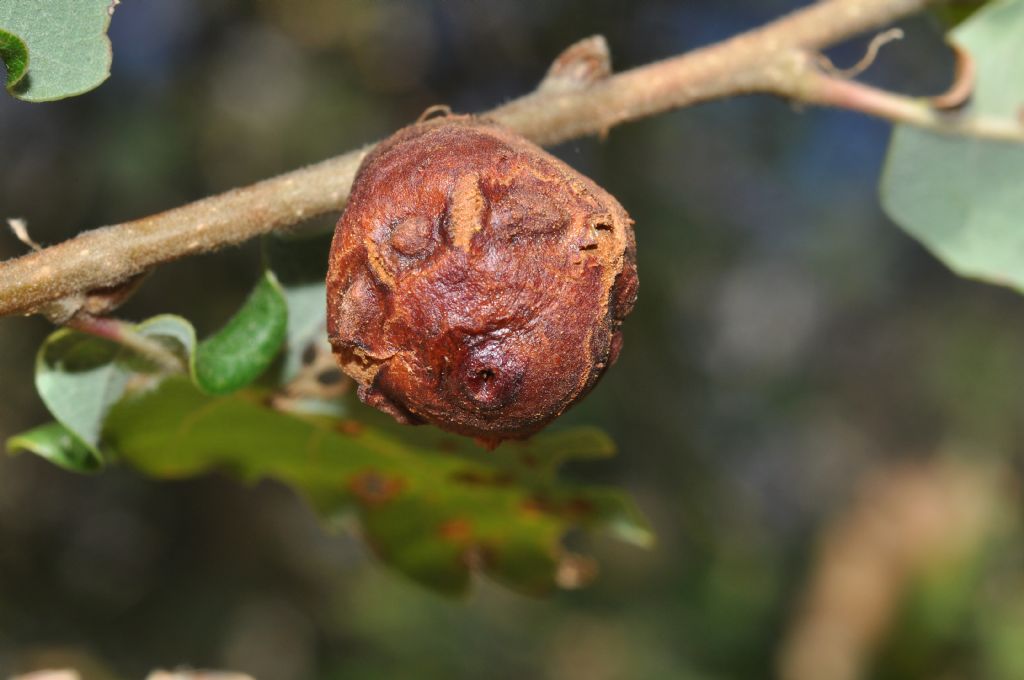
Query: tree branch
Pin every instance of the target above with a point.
(107, 256)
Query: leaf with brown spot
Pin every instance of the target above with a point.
(434, 507)
(372, 488)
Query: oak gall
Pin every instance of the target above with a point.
(476, 282)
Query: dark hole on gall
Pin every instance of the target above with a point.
(589, 246)
(489, 386)
(603, 226)
(308, 354)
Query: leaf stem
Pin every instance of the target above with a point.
(125, 334)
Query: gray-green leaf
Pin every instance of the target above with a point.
(79, 376)
(55, 48)
(963, 198)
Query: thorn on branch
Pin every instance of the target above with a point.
(20, 229)
(578, 67)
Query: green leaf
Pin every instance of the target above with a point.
(963, 197)
(63, 44)
(57, 444)
(434, 506)
(300, 264)
(238, 353)
(15, 56)
(79, 377)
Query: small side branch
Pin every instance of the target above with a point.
(803, 79)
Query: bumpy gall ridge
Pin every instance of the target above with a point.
(477, 282)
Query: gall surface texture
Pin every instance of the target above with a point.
(476, 282)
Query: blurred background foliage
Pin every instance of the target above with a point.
(820, 420)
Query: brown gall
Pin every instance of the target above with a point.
(477, 282)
